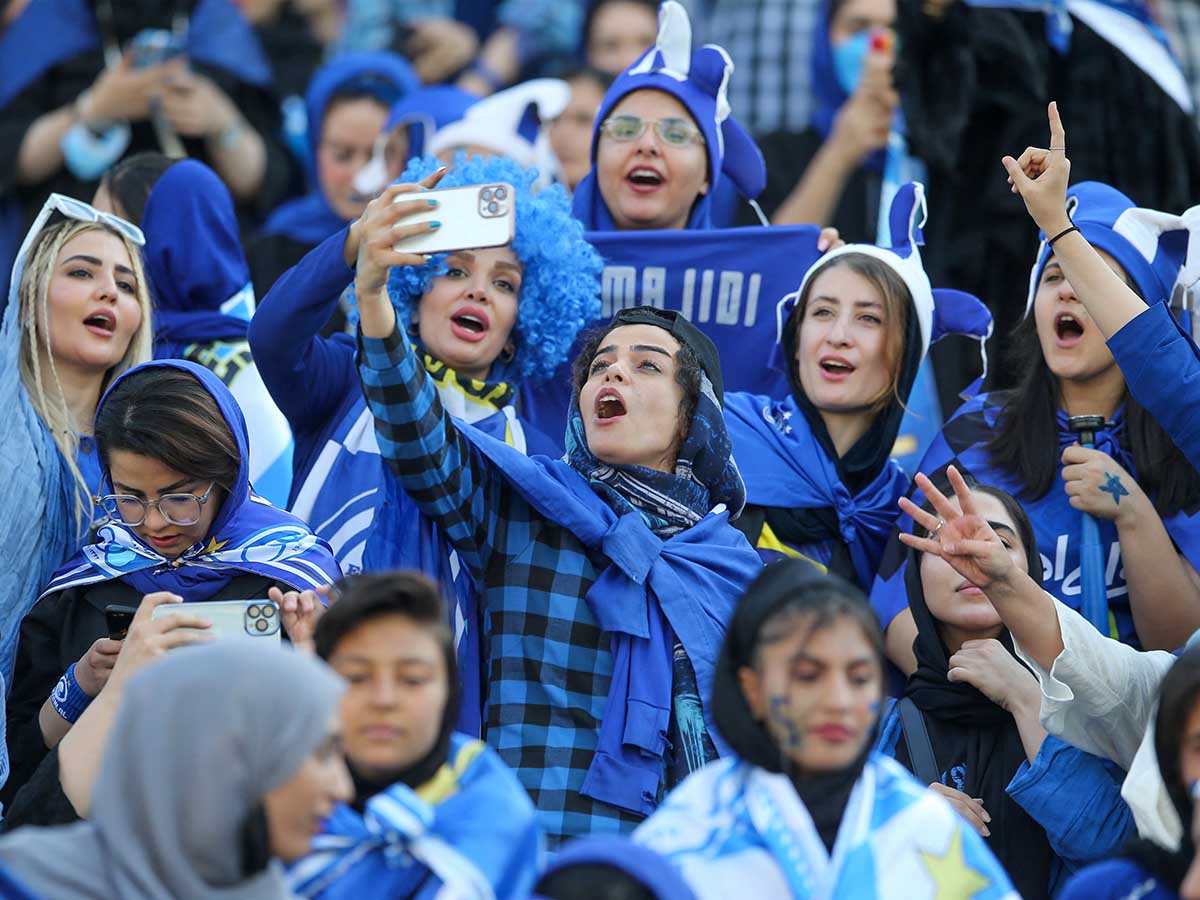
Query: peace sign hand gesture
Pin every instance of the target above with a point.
(1041, 176)
(959, 535)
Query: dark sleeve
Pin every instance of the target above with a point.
(308, 376)
(38, 667)
(787, 155)
(41, 801)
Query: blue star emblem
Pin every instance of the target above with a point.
(1112, 485)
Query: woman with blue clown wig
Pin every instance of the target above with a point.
(183, 519)
(1132, 485)
(604, 578)
(820, 482)
(665, 141)
(347, 104)
(482, 322)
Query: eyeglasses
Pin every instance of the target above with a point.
(676, 132)
(178, 509)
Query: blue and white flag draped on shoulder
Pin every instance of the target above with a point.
(469, 833)
(735, 830)
(248, 534)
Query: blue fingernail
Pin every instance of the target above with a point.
(435, 224)
(432, 202)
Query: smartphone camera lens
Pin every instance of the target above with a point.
(486, 194)
(493, 207)
(254, 611)
(261, 625)
(268, 610)
(501, 193)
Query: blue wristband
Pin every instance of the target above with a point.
(69, 699)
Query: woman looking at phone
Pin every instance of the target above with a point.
(451, 812)
(78, 315)
(203, 804)
(183, 518)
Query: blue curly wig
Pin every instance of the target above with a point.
(560, 285)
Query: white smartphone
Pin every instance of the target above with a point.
(236, 619)
(472, 217)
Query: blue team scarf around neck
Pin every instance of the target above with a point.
(705, 474)
(784, 465)
(193, 256)
(249, 535)
(653, 592)
(49, 32)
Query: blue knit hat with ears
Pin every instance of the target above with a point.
(699, 80)
(1151, 246)
(939, 311)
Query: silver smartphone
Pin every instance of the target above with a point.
(231, 619)
(472, 217)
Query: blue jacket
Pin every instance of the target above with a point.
(1092, 824)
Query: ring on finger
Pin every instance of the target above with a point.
(937, 529)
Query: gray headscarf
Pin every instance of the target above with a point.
(200, 738)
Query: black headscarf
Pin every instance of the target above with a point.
(976, 743)
(780, 584)
(860, 465)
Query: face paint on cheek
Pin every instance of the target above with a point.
(781, 716)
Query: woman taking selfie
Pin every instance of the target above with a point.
(639, 508)
(201, 805)
(433, 810)
(183, 518)
(804, 808)
(820, 481)
(975, 707)
(78, 315)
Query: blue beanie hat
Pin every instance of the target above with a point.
(699, 80)
(1150, 246)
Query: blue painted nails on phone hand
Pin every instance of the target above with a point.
(432, 202)
(435, 224)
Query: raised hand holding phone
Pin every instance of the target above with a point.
(149, 638)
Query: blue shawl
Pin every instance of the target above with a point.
(655, 591)
(248, 534)
(469, 831)
(786, 466)
(1055, 522)
(193, 255)
(50, 32)
(310, 219)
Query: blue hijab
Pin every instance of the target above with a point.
(49, 32)
(699, 81)
(248, 534)
(386, 77)
(193, 255)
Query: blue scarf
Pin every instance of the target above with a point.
(471, 827)
(248, 534)
(1056, 523)
(310, 219)
(786, 466)
(193, 256)
(655, 591)
(50, 32)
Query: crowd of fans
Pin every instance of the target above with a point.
(801, 499)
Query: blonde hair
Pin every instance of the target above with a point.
(896, 303)
(38, 372)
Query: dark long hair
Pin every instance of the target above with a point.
(1025, 443)
(131, 180)
(168, 415)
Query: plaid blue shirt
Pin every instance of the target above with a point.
(549, 664)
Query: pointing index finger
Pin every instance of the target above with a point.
(1058, 137)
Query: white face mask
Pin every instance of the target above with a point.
(373, 177)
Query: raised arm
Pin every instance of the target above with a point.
(1041, 176)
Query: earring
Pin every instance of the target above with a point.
(507, 353)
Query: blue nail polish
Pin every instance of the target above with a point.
(435, 224)
(432, 202)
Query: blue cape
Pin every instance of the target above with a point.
(248, 534)
(472, 824)
(652, 591)
(49, 32)
(1056, 524)
(194, 258)
(310, 219)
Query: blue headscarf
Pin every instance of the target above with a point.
(384, 76)
(49, 32)
(193, 255)
(248, 534)
(699, 81)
